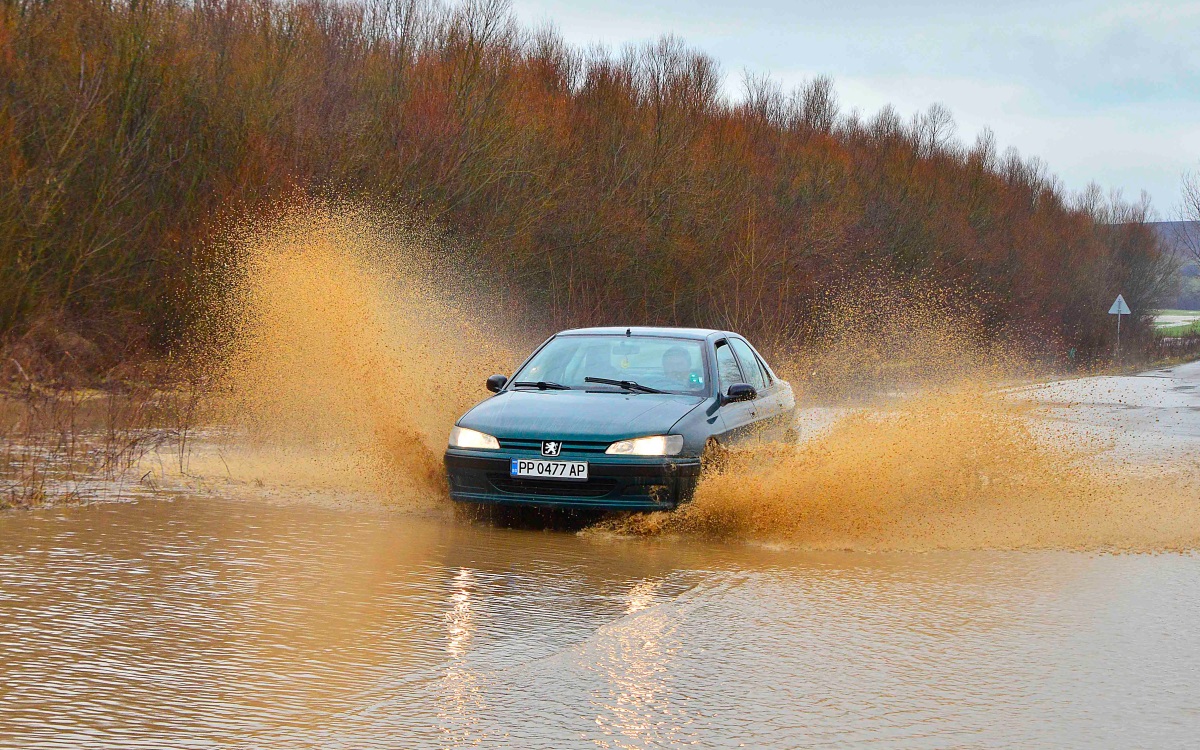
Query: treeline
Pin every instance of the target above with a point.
(606, 187)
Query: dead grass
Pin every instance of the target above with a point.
(74, 445)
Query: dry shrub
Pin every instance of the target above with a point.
(609, 187)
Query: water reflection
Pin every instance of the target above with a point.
(216, 624)
(459, 618)
(461, 703)
(641, 595)
(633, 657)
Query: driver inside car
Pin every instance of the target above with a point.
(677, 369)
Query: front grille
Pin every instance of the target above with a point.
(568, 446)
(519, 486)
(647, 490)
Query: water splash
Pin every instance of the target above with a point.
(339, 353)
(966, 469)
(925, 447)
(343, 351)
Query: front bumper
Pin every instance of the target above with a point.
(612, 484)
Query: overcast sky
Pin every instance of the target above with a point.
(1102, 91)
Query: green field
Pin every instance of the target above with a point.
(1182, 329)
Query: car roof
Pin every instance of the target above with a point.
(680, 333)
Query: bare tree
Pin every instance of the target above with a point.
(1189, 232)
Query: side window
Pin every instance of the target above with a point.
(727, 368)
(766, 373)
(745, 355)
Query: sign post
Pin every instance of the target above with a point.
(1119, 308)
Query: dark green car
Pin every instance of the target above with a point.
(615, 419)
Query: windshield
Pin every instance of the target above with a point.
(665, 364)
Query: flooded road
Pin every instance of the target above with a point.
(203, 622)
(275, 563)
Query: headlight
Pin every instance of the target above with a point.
(655, 445)
(461, 437)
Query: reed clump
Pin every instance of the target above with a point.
(61, 444)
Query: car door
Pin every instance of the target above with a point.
(738, 417)
(766, 405)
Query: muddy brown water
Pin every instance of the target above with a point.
(298, 616)
(214, 623)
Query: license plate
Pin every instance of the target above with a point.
(537, 469)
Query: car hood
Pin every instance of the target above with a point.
(578, 415)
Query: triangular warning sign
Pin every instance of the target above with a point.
(1119, 307)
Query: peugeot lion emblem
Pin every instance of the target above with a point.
(551, 447)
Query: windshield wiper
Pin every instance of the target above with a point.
(542, 385)
(628, 385)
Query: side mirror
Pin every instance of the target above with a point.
(496, 382)
(741, 392)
